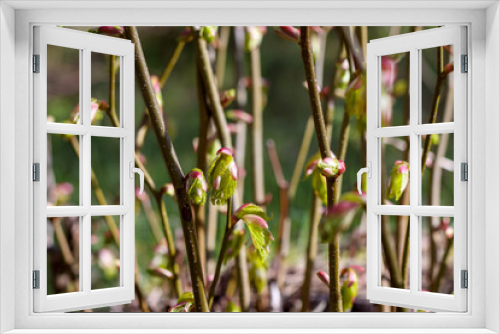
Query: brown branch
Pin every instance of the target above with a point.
(241, 100)
(199, 211)
(167, 231)
(212, 93)
(174, 169)
(319, 125)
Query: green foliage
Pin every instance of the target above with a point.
(236, 240)
(255, 220)
(339, 218)
(400, 175)
(222, 177)
(349, 288)
(196, 186)
(185, 303)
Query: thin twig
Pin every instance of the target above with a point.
(201, 163)
(442, 267)
(223, 251)
(312, 250)
(220, 64)
(240, 145)
(284, 220)
(436, 97)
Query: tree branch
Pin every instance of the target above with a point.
(175, 172)
(319, 125)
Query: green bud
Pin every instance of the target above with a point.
(196, 186)
(222, 177)
(208, 33)
(400, 175)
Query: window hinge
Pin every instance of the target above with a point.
(465, 279)
(36, 172)
(36, 63)
(464, 171)
(465, 64)
(36, 279)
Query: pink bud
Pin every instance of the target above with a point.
(288, 32)
(226, 151)
(324, 277)
(168, 189)
(239, 115)
(389, 71)
(341, 167)
(112, 31)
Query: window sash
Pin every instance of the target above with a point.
(85, 297)
(413, 43)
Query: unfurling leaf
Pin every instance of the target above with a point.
(185, 303)
(196, 186)
(222, 177)
(340, 217)
(255, 220)
(400, 175)
(349, 288)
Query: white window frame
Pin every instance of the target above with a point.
(414, 43)
(483, 21)
(86, 43)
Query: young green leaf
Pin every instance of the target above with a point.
(398, 181)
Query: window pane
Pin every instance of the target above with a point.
(437, 254)
(105, 252)
(438, 176)
(63, 170)
(63, 84)
(437, 85)
(395, 249)
(63, 255)
(395, 178)
(394, 96)
(106, 180)
(105, 92)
